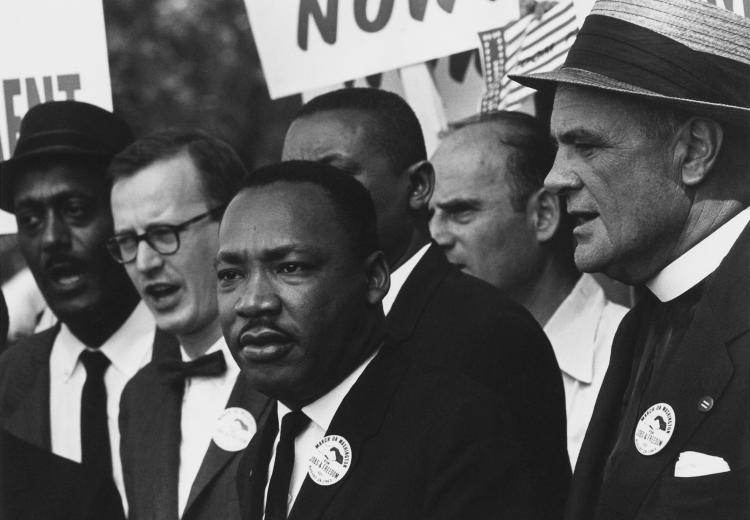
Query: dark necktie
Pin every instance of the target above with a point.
(210, 365)
(95, 450)
(278, 488)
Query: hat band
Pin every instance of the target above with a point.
(75, 141)
(638, 56)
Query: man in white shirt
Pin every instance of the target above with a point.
(360, 430)
(652, 120)
(184, 421)
(60, 388)
(434, 312)
(493, 218)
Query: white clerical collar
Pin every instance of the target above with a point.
(125, 349)
(699, 261)
(399, 276)
(322, 410)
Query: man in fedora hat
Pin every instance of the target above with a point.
(60, 389)
(651, 116)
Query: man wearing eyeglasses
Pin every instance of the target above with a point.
(60, 389)
(183, 422)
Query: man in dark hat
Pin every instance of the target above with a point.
(651, 116)
(60, 389)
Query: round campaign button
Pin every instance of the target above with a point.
(234, 429)
(331, 460)
(654, 429)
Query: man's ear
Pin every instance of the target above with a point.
(544, 210)
(421, 183)
(698, 144)
(378, 277)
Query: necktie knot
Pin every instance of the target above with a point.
(95, 363)
(294, 423)
(210, 365)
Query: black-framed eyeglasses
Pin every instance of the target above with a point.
(163, 238)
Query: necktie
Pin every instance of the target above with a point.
(278, 488)
(95, 450)
(210, 365)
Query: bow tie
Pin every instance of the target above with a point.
(210, 365)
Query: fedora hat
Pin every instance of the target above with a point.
(688, 54)
(63, 129)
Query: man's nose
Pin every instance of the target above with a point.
(562, 177)
(146, 259)
(440, 230)
(258, 296)
(56, 232)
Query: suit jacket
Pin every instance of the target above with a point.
(36, 484)
(442, 316)
(423, 447)
(24, 384)
(150, 415)
(712, 360)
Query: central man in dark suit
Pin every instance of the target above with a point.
(359, 431)
(185, 421)
(435, 313)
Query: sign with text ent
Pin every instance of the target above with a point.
(309, 44)
(52, 50)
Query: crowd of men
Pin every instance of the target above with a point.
(360, 331)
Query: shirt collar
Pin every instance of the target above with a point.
(125, 349)
(572, 329)
(699, 261)
(399, 276)
(322, 410)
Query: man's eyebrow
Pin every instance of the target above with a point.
(227, 257)
(55, 198)
(270, 254)
(456, 203)
(569, 135)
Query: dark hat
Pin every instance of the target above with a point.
(684, 53)
(62, 129)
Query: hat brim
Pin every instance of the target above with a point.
(9, 168)
(735, 115)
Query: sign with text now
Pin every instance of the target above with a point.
(309, 44)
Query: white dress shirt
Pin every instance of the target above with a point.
(321, 414)
(399, 276)
(698, 262)
(203, 402)
(581, 332)
(128, 349)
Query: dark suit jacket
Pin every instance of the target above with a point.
(150, 414)
(35, 484)
(445, 317)
(24, 384)
(712, 360)
(423, 447)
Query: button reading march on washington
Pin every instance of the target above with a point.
(331, 460)
(234, 429)
(654, 429)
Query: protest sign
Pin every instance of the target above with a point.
(309, 44)
(52, 50)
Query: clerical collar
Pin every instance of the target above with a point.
(699, 261)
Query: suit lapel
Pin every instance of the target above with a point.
(242, 396)
(31, 418)
(703, 356)
(358, 418)
(416, 293)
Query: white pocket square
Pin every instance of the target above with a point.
(694, 464)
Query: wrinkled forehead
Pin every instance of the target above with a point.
(42, 182)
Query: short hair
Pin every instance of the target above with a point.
(396, 129)
(532, 156)
(350, 199)
(221, 170)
